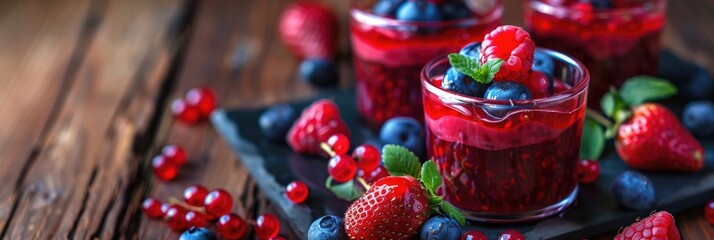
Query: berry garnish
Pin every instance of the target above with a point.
(163, 168)
(514, 46)
(195, 195)
(376, 174)
(511, 234)
(203, 99)
(195, 219)
(367, 157)
(403, 131)
(386, 8)
(318, 122)
(197, 234)
(456, 10)
(231, 226)
(218, 202)
(342, 168)
(505, 90)
(633, 190)
(339, 143)
(539, 84)
(659, 225)
(472, 50)
(440, 227)
(543, 63)
(267, 226)
(709, 212)
(319, 72)
(327, 227)
(276, 121)
(418, 10)
(175, 218)
(152, 208)
(297, 191)
(698, 118)
(183, 112)
(174, 154)
(468, 76)
(587, 171)
(474, 235)
(458, 82)
(165, 208)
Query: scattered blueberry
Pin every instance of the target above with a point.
(633, 190)
(471, 50)
(463, 84)
(700, 85)
(404, 131)
(440, 227)
(327, 228)
(505, 90)
(418, 10)
(455, 9)
(698, 117)
(601, 4)
(386, 8)
(197, 234)
(319, 72)
(277, 120)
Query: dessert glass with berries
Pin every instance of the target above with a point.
(615, 39)
(506, 145)
(393, 39)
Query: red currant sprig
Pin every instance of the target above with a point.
(297, 191)
(166, 165)
(231, 226)
(198, 104)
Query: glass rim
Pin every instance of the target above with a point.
(368, 18)
(555, 99)
(552, 9)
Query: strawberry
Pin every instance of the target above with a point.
(659, 225)
(318, 122)
(653, 139)
(393, 208)
(309, 30)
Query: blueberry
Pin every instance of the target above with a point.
(505, 90)
(601, 4)
(543, 63)
(471, 50)
(455, 9)
(197, 234)
(700, 85)
(698, 117)
(460, 83)
(440, 227)
(319, 72)
(276, 121)
(386, 8)
(327, 228)
(404, 131)
(418, 10)
(633, 190)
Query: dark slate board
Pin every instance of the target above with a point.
(595, 212)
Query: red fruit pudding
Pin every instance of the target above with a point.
(389, 54)
(615, 42)
(513, 166)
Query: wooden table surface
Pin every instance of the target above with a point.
(85, 87)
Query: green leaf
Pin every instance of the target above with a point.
(451, 211)
(640, 89)
(492, 67)
(472, 67)
(399, 161)
(430, 176)
(607, 104)
(345, 191)
(593, 140)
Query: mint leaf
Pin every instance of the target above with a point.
(399, 161)
(471, 67)
(592, 141)
(493, 66)
(640, 89)
(345, 191)
(451, 211)
(430, 176)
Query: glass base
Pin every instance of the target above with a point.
(524, 216)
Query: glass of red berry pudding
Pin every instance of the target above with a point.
(505, 137)
(615, 39)
(393, 39)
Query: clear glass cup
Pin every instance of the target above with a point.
(389, 54)
(614, 44)
(507, 161)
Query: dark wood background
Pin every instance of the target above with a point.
(84, 93)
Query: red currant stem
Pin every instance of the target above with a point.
(183, 204)
(364, 183)
(599, 118)
(325, 147)
(328, 183)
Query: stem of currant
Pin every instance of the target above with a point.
(325, 147)
(364, 183)
(185, 205)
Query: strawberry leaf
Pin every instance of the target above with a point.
(612, 102)
(399, 161)
(472, 67)
(640, 89)
(345, 191)
(430, 176)
(592, 141)
(454, 213)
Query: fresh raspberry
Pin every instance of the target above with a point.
(309, 30)
(318, 122)
(514, 46)
(659, 225)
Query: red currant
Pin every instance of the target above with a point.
(342, 168)
(165, 208)
(474, 235)
(203, 99)
(175, 218)
(339, 143)
(152, 208)
(194, 219)
(183, 112)
(709, 212)
(511, 234)
(218, 202)
(297, 191)
(174, 154)
(367, 157)
(194, 195)
(163, 169)
(376, 174)
(277, 238)
(267, 226)
(230, 226)
(587, 171)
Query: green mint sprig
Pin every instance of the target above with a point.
(482, 73)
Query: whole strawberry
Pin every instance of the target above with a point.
(393, 208)
(318, 122)
(309, 30)
(653, 139)
(659, 225)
